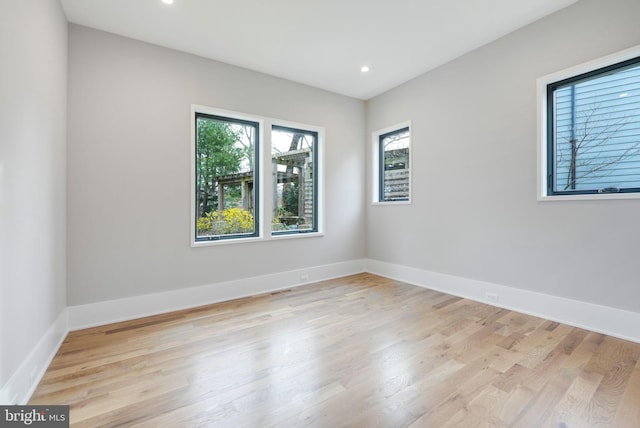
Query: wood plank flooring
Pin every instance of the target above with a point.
(360, 351)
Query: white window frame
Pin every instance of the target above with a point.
(265, 193)
(542, 83)
(375, 152)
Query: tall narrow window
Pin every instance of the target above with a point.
(294, 160)
(593, 131)
(226, 177)
(394, 163)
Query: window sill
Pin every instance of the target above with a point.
(295, 235)
(589, 197)
(215, 242)
(391, 203)
(232, 241)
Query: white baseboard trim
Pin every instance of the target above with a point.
(601, 319)
(25, 379)
(100, 313)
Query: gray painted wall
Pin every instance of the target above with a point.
(33, 88)
(474, 211)
(129, 169)
(126, 223)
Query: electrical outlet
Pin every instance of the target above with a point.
(304, 277)
(491, 297)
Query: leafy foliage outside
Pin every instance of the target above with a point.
(217, 155)
(230, 221)
(223, 148)
(291, 195)
(288, 211)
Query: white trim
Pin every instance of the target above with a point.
(100, 313)
(391, 203)
(595, 64)
(375, 167)
(264, 189)
(282, 236)
(589, 197)
(261, 144)
(25, 379)
(229, 241)
(598, 318)
(541, 87)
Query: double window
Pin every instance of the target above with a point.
(232, 197)
(591, 133)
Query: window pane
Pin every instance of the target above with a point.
(596, 138)
(394, 157)
(293, 159)
(225, 177)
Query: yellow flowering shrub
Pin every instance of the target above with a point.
(231, 220)
(238, 220)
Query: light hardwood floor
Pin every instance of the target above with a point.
(360, 351)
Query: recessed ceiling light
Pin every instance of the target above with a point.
(167, 1)
(364, 69)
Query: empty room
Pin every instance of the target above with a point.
(418, 213)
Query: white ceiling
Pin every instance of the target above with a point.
(322, 43)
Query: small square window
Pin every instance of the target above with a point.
(592, 131)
